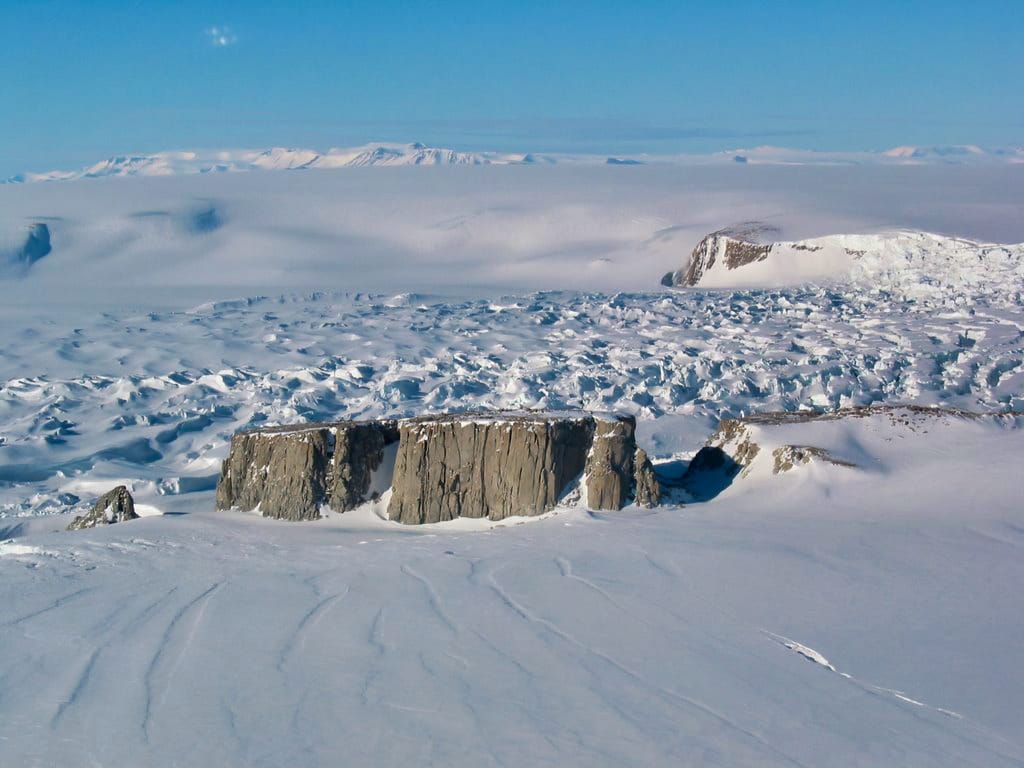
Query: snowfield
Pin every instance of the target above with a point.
(846, 597)
(824, 616)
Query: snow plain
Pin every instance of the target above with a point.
(824, 616)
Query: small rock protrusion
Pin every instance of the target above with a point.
(115, 506)
(648, 489)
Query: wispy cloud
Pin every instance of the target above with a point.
(221, 37)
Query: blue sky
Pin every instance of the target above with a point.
(83, 80)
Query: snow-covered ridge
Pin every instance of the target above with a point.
(275, 158)
(914, 265)
(832, 448)
(171, 163)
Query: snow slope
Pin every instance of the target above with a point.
(850, 617)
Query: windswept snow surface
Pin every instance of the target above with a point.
(827, 615)
(666, 637)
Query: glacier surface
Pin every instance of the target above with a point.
(825, 615)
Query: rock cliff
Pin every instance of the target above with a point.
(363, 462)
(493, 465)
(288, 472)
(486, 465)
(610, 463)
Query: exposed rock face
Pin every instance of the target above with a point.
(610, 464)
(786, 457)
(281, 471)
(729, 451)
(486, 465)
(492, 465)
(736, 246)
(648, 489)
(115, 506)
(360, 451)
(35, 246)
(288, 472)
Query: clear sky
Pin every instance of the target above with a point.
(80, 81)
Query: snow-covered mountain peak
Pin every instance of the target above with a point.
(910, 263)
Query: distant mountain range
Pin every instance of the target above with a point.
(280, 158)
(275, 158)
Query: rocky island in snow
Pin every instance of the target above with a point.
(437, 468)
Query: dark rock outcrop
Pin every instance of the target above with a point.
(737, 246)
(288, 472)
(493, 465)
(610, 464)
(730, 450)
(486, 465)
(647, 488)
(361, 451)
(786, 457)
(36, 245)
(115, 506)
(283, 472)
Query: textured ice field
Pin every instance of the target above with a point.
(825, 617)
(155, 397)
